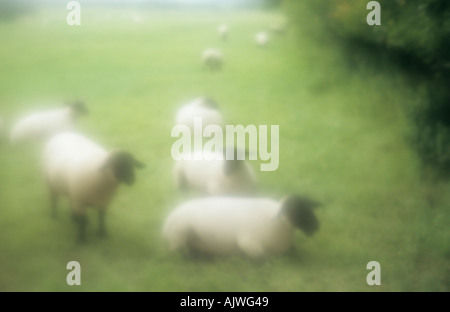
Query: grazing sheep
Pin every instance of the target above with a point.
(262, 38)
(86, 173)
(137, 18)
(41, 125)
(278, 29)
(254, 227)
(212, 59)
(223, 31)
(202, 107)
(214, 175)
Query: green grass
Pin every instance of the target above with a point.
(343, 141)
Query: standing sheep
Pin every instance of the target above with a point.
(202, 107)
(212, 174)
(41, 125)
(223, 31)
(254, 227)
(212, 59)
(262, 38)
(87, 174)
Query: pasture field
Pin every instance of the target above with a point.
(344, 131)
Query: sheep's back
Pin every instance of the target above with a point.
(186, 116)
(216, 224)
(42, 124)
(70, 155)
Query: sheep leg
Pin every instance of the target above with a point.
(182, 183)
(79, 215)
(101, 223)
(82, 222)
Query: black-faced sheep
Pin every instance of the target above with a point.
(223, 31)
(202, 107)
(262, 38)
(43, 124)
(76, 167)
(210, 173)
(212, 59)
(255, 227)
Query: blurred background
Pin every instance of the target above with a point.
(364, 129)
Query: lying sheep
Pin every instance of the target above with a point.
(223, 31)
(214, 175)
(255, 227)
(212, 59)
(262, 38)
(87, 174)
(41, 125)
(202, 107)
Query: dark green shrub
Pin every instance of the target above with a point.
(414, 36)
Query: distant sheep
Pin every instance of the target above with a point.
(262, 38)
(214, 175)
(87, 174)
(212, 59)
(255, 227)
(202, 107)
(223, 31)
(278, 29)
(41, 125)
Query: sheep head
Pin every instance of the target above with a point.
(233, 165)
(78, 108)
(122, 165)
(208, 102)
(300, 212)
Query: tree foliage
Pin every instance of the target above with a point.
(10, 9)
(414, 34)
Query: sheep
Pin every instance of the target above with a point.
(223, 31)
(278, 29)
(42, 125)
(212, 59)
(255, 227)
(87, 174)
(212, 174)
(262, 38)
(203, 107)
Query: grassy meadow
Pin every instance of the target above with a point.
(344, 141)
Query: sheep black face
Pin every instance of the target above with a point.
(209, 103)
(231, 166)
(123, 164)
(78, 108)
(299, 210)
